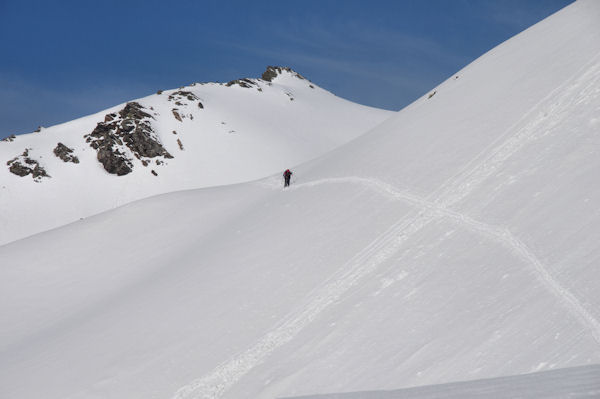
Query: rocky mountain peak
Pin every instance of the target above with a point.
(273, 71)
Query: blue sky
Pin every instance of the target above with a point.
(65, 59)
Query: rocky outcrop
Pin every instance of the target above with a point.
(106, 140)
(128, 132)
(182, 98)
(176, 114)
(245, 83)
(65, 153)
(10, 138)
(22, 165)
(273, 71)
(180, 95)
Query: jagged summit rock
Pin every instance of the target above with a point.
(268, 75)
(245, 83)
(133, 111)
(273, 71)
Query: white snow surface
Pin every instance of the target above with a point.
(241, 134)
(572, 383)
(456, 241)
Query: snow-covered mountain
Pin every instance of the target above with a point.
(458, 240)
(205, 134)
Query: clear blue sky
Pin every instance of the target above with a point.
(60, 60)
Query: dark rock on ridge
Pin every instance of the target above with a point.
(274, 71)
(10, 138)
(180, 94)
(133, 111)
(245, 83)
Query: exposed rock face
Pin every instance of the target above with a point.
(107, 142)
(65, 153)
(245, 83)
(271, 73)
(22, 166)
(274, 71)
(128, 132)
(180, 94)
(176, 114)
(10, 138)
(181, 98)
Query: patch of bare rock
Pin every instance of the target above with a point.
(22, 165)
(125, 134)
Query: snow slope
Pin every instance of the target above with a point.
(572, 383)
(456, 241)
(240, 134)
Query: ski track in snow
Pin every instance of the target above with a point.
(498, 234)
(534, 124)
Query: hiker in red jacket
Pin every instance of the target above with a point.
(287, 175)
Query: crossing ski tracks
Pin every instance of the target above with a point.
(535, 123)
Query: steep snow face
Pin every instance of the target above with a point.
(206, 134)
(456, 241)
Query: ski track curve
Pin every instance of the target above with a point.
(548, 114)
(501, 235)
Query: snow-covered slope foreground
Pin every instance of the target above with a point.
(206, 134)
(572, 383)
(459, 240)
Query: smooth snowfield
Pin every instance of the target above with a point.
(240, 134)
(457, 241)
(573, 383)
